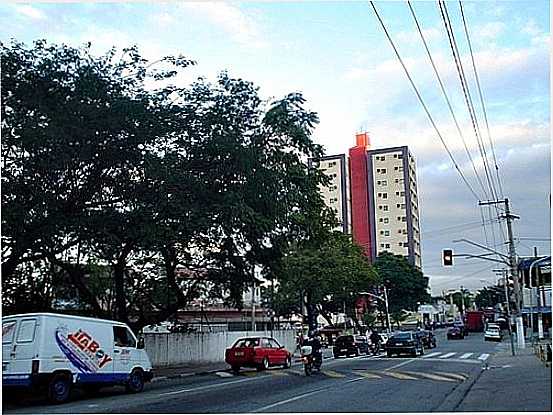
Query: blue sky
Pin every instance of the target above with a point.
(336, 54)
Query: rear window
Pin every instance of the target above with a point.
(8, 330)
(246, 343)
(26, 332)
(402, 336)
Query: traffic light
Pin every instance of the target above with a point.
(447, 257)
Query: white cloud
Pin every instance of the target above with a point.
(489, 31)
(239, 25)
(30, 12)
(531, 28)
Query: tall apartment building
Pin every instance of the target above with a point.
(393, 203)
(336, 194)
(374, 194)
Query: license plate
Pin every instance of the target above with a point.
(239, 353)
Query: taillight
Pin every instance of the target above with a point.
(34, 367)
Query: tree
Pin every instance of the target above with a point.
(327, 273)
(489, 297)
(406, 284)
(105, 165)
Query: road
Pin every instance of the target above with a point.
(433, 382)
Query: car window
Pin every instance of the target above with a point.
(266, 343)
(8, 330)
(26, 332)
(274, 343)
(123, 337)
(403, 336)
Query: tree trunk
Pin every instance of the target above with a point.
(119, 277)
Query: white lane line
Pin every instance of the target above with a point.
(445, 356)
(400, 364)
(432, 354)
(217, 385)
(466, 355)
(483, 356)
(295, 398)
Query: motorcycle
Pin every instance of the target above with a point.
(310, 362)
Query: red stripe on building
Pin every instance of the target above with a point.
(359, 193)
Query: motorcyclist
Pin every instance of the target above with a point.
(375, 340)
(316, 348)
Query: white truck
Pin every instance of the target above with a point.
(57, 352)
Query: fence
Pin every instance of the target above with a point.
(169, 349)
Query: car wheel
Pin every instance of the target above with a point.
(388, 354)
(422, 350)
(414, 352)
(264, 365)
(59, 389)
(135, 383)
(236, 370)
(288, 362)
(356, 353)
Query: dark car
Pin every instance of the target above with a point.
(455, 333)
(427, 337)
(349, 346)
(404, 342)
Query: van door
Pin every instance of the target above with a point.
(124, 351)
(22, 351)
(8, 338)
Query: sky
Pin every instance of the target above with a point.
(337, 56)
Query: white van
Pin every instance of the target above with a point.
(59, 351)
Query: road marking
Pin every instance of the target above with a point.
(445, 356)
(368, 375)
(483, 356)
(432, 354)
(332, 374)
(466, 355)
(459, 376)
(205, 387)
(278, 373)
(295, 372)
(400, 364)
(399, 375)
(224, 374)
(295, 398)
(431, 376)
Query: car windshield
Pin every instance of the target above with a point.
(402, 336)
(247, 342)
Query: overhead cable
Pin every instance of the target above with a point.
(422, 102)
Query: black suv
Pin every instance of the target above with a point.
(350, 345)
(404, 342)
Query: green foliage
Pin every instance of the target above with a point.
(329, 271)
(104, 164)
(489, 297)
(406, 284)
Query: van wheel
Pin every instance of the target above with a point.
(59, 389)
(135, 384)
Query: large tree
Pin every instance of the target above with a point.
(327, 273)
(107, 162)
(405, 283)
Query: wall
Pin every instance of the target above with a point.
(178, 348)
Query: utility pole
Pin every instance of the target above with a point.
(512, 265)
(462, 302)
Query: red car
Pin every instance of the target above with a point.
(258, 352)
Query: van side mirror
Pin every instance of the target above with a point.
(140, 344)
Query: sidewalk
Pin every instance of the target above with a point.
(510, 383)
(193, 369)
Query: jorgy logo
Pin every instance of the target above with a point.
(87, 344)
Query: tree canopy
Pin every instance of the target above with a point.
(406, 284)
(108, 163)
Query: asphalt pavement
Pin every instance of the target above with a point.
(446, 378)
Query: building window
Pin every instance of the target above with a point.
(383, 171)
(382, 245)
(385, 208)
(386, 233)
(386, 220)
(332, 164)
(380, 220)
(384, 195)
(382, 158)
(403, 205)
(387, 246)
(378, 182)
(403, 219)
(380, 195)
(384, 183)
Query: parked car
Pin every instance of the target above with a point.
(59, 352)
(348, 345)
(492, 332)
(257, 352)
(455, 332)
(427, 337)
(404, 342)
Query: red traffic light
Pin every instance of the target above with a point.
(447, 257)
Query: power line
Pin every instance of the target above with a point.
(481, 99)
(422, 102)
(465, 89)
(446, 97)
